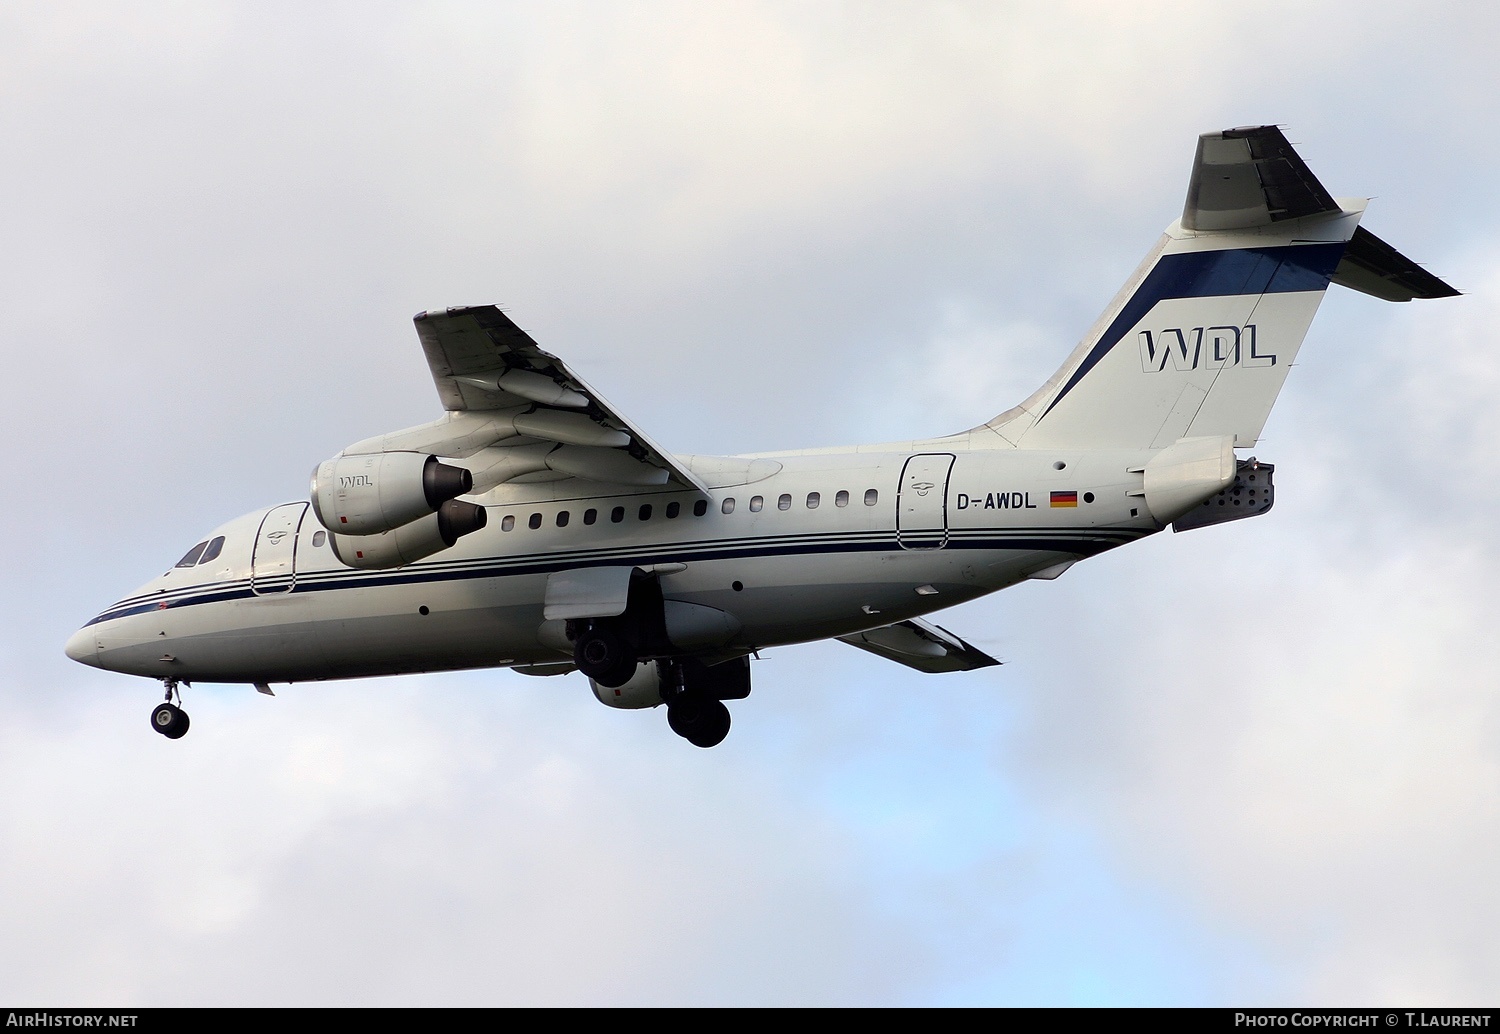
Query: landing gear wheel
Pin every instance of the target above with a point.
(170, 720)
(621, 675)
(703, 723)
(602, 655)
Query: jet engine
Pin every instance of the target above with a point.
(410, 542)
(642, 690)
(379, 492)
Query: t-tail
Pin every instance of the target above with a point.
(1198, 342)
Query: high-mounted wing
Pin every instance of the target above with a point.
(516, 412)
(920, 645)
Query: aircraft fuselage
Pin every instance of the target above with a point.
(830, 543)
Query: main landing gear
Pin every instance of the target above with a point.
(169, 719)
(702, 721)
(609, 650)
(695, 693)
(603, 654)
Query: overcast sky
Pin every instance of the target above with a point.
(1257, 763)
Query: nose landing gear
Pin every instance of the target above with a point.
(169, 719)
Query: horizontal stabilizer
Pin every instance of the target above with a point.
(1373, 267)
(920, 645)
(1250, 177)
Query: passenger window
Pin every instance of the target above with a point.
(535, 522)
(871, 496)
(191, 556)
(700, 507)
(216, 544)
(673, 509)
(320, 537)
(756, 502)
(784, 503)
(728, 506)
(617, 515)
(590, 516)
(508, 522)
(645, 511)
(842, 499)
(562, 518)
(813, 499)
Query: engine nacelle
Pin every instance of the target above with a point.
(410, 542)
(643, 689)
(368, 495)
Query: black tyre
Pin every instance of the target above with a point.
(712, 727)
(170, 720)
(703, 723)
(620, 675)
(682, 715)
(602, 654)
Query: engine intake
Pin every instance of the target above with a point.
(376, 493)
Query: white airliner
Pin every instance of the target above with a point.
(534, 527)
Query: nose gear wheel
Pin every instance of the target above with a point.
(167, 718)
(170, 720)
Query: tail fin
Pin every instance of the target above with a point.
(1199, 340)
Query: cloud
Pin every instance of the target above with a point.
(1294, 721)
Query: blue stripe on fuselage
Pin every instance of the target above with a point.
(1209, 274)
(1081, 541)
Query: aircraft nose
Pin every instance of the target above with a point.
(83, 647)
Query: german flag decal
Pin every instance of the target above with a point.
(1064, 498)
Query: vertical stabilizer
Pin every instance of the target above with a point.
(1199, 341)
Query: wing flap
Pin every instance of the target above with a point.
(920, 645)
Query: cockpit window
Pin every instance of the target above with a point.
(215, 544)
(192, 555)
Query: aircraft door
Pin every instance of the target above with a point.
(273, 564)
(922, 501)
